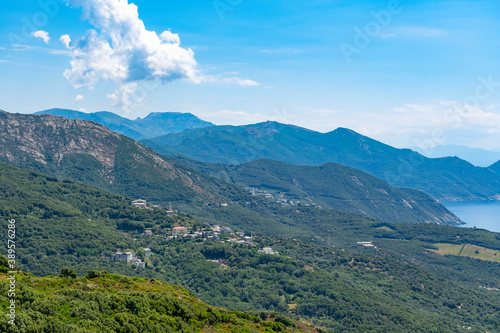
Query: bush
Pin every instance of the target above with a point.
(93, 273)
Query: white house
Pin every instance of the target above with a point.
(140, 203)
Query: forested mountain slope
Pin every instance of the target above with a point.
(444, 178)
(333, 186)
(90, 153)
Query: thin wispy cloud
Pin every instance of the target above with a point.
(410, 121)
(22, 47)
(413, 31)
(229, 117)
(229, 80)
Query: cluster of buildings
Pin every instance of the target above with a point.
(267, 250)
(280, 198)
(129, 257)
(212, 232)
(209, 232)
(367, 244)
(141, 203)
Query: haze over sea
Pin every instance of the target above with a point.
(479, 214)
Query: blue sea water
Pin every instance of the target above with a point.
(479, 214)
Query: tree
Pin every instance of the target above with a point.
(67, 272)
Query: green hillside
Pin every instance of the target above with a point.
(321, 274)
(110, 303)
(333, 186)
(443, 178)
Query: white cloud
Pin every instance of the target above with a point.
(124, 97)
(124, 50)
(79, 98)
(65, 39)
(120, 49)
(169, 37)
(43, 35)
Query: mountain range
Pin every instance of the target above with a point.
(477, 156)
(155, 124)
(447, 179)
(91, 153)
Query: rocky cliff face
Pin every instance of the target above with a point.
(91, 153)
(49, 139)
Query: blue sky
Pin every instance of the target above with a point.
(409, 73)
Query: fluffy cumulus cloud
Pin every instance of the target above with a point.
(121, 49)
(79, 98)
(65, 39)
(43, 35)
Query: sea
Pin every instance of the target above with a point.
(479, 214)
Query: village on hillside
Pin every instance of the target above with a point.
(207, 232)
(281, 198)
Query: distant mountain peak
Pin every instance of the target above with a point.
(277, 125)
(153, 125)
(346, 131)
(156, 114)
